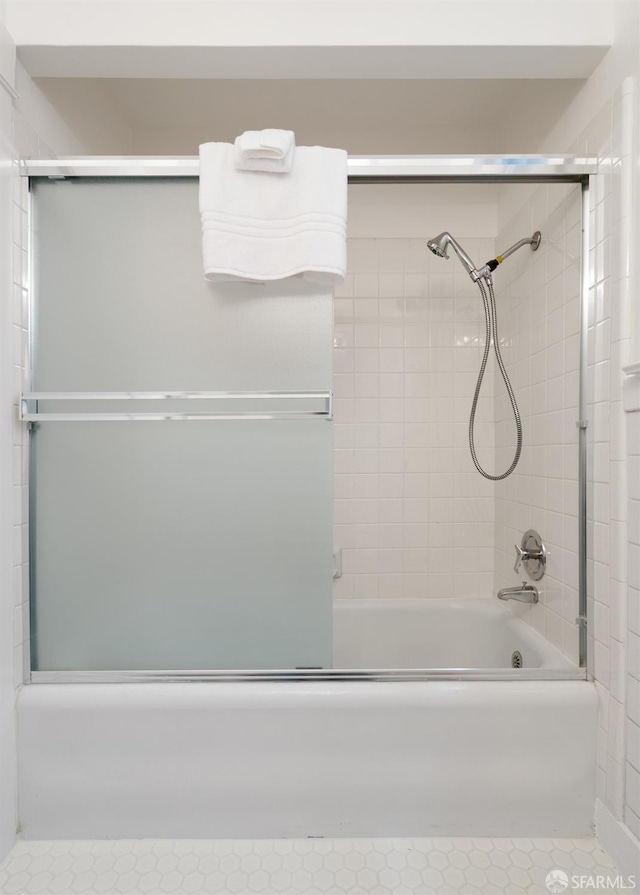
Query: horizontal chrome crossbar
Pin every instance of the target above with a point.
(29, 411)
(361, 169)
(300, 675)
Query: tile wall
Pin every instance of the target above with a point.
(19, 333)
(8, 784)
(538, 300)
(26, 144)
(632, 806)
(610, 136)
(412, 516)
(623, 768)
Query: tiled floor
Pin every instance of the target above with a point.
(308, 867)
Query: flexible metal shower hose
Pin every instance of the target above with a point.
(491, 332)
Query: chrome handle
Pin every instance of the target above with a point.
(520, 556)
(532, 554)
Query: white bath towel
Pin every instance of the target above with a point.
(266, 150)
(259, 226)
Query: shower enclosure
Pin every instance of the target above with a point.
(181, 439)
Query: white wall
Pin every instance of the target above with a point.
(364, 117)
(528, 127)
(70, 118)
(172, 116)
(7, 692)
(408, 211)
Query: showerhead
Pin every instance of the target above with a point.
(439, 246)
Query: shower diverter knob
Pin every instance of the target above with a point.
(520, 555)
(532, 554)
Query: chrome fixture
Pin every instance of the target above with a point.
(526, 593)
(299, 405)
(490, 266)
(360, 168)
(439, 246)
(532, 554)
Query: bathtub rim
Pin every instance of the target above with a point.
(387, 675)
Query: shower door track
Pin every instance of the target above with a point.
(531, 169)
(300, 674)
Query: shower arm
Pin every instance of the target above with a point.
(533, 241)
(486, 271)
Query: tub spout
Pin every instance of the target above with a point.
(526, 593)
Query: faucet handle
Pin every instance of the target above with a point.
(532, 554)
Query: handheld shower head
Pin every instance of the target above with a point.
(439, 246)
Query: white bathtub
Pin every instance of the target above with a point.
(322, 758)
(437, 633)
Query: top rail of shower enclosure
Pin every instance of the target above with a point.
(361, 169)
(556, 168)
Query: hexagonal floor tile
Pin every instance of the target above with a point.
(438, 866)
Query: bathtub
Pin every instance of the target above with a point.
(337, 757)
(439, 634)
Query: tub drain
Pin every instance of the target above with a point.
(516, 659)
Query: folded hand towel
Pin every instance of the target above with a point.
(269, 143)
(272, 165)
(267, 150)
(257, 227)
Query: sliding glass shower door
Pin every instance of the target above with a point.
(200, 543)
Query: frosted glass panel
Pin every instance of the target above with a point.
(172, 545)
